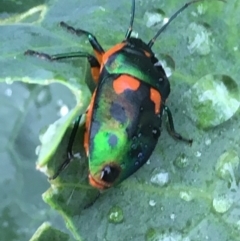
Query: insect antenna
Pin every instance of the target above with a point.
(130, 28)
(152, 41)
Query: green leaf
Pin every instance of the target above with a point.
(179, 194)
(46, 232)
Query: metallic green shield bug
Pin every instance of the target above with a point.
(125, 114)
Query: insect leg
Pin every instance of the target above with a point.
(171, 130)
(99, 51)
(95, 66)
(70, 154)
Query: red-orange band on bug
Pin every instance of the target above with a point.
(87, 125)
(125, 82)
(96, 184)
(95, 71)
(99, 56)
(147, 54)
(156, 98)
(110, 52)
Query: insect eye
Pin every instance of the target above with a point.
(110, 173)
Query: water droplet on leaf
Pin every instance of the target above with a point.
(181, 161)
(160, 179)
(153, 18)
(221, 204)
(199, 40)
(115, 215)
(212, 100)
(186, 196)
(226, 166)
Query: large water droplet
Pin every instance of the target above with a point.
(199, 40)
(154, 17)
(221, 204)
(167, 62)
(212, 100)
(115, 215)
(227, 163)
(160, 179)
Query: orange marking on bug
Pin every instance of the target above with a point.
(95, 71)
(125, 82)
(87, 124)
(97, 184)
(156, 99)
(99, 56)
(110, 52)
(147, 54)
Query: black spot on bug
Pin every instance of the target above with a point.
(110, 173)
(112, 140)
(118, 113)
(95, 126)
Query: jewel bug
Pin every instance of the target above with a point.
(123, 120)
